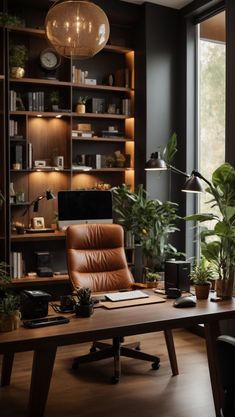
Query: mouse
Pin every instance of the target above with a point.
(184, 302)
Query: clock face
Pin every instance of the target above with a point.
(49, 59)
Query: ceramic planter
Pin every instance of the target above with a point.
(80, 108)
(17, 72)
(202, 291)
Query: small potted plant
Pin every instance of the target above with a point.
(54, 100)
(201, 275)
(85, 305)
(18, 56)
(152, 279)
(9, 303)
(81, 105)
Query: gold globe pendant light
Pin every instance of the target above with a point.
(78, 29)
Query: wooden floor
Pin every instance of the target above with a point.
(142, 392)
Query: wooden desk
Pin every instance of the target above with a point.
(104, 324)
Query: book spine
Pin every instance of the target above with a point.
(30, 155)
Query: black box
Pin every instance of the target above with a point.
(34, 304)
(177, 275)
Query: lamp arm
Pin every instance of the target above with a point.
(197, 174)
(32, 203)
(178, 171)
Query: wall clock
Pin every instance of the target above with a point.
(49, 60)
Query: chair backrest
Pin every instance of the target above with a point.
(96, 257)
(226, 356)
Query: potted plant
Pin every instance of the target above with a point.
(218, 240)
(9, 303)
(85, 305)
(200, 275)
(152, 279)
(81, 104)
(18, 56)
(54, 100)
(150, 221)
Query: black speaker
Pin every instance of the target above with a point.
(177, 275)
(44, 264)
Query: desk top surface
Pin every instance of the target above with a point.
(106, 323)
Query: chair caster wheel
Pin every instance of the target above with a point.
(115, 380)
(75, 366)
(155, 366)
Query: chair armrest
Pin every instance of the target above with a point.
(138, 285)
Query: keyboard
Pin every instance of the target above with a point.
(126, 295)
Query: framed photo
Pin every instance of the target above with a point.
(38, 223)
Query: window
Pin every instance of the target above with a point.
(211, 98)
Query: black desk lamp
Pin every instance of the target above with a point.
(35, 203)
(192, 184)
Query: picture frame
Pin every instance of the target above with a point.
(38, 223)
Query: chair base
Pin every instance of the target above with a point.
(116, 350)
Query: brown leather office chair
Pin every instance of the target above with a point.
(226, 357)
(96, 259)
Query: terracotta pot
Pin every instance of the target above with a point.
(17, 72)
(202, 291)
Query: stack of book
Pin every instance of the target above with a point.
(36, 100)
(126, 106)
(83, 131)
(17, 264)
(112, 134)
(12, 100)
(13, 128)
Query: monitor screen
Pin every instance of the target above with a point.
(84, 206)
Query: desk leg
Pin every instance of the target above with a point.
(43, 362)
(171, 351)
(7, 363)
(211, 333)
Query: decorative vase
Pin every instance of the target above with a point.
(17, 72)
(80, 108)
(202, 291)
(85, 310)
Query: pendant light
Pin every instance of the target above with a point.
(77, 29)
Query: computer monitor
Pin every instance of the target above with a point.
(84, 206)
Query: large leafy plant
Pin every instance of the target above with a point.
(218, 241)
(151, 222)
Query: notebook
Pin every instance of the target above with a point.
(126, 295)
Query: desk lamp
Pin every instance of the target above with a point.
(192, 184)
(35, 203)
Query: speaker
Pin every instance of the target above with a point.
(177, 275)
(44, 264)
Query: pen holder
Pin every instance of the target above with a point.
(84, 310)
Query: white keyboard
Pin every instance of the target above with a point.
(126, 295)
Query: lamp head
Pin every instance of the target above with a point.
(193, 184)
(155, 163)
